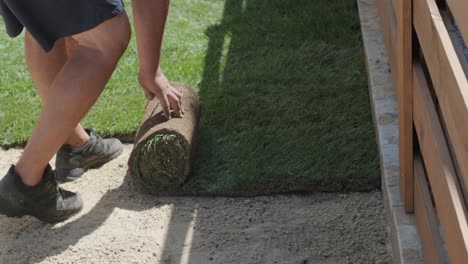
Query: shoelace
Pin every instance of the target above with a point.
(52, 180)
(98, 142)
(50, 192)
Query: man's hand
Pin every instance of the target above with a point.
(158, 86)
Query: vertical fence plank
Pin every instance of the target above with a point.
(405, 100)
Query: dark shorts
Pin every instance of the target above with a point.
(49, 20)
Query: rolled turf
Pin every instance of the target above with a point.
(162, 155)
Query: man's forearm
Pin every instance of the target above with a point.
(150, 21)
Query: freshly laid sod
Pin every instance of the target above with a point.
(283, 88)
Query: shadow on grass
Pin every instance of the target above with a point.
(285, 101)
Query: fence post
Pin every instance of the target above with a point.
(404, 56)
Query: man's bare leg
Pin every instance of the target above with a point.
(44, 67)
(72, 93)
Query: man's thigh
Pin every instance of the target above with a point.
(111, 35)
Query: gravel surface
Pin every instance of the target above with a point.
(120, 225)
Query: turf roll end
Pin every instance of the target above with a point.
(161, 159)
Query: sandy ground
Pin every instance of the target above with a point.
(119, 225)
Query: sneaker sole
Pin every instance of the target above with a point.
(56, 220)
(69, 175)
(6, 210)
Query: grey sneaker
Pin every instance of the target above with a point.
(45, 201)
(73, 162)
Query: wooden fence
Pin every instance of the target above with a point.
(424, 40)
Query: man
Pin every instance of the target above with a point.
(72, 48)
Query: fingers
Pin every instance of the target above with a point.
(179, 101)
(181, 109)
(174, 90)
(166, 107)
(176, 104)
(168, 96)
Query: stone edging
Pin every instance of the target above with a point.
(406, 244)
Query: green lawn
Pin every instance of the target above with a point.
(283, 88)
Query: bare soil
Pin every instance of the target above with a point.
(120, 225)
